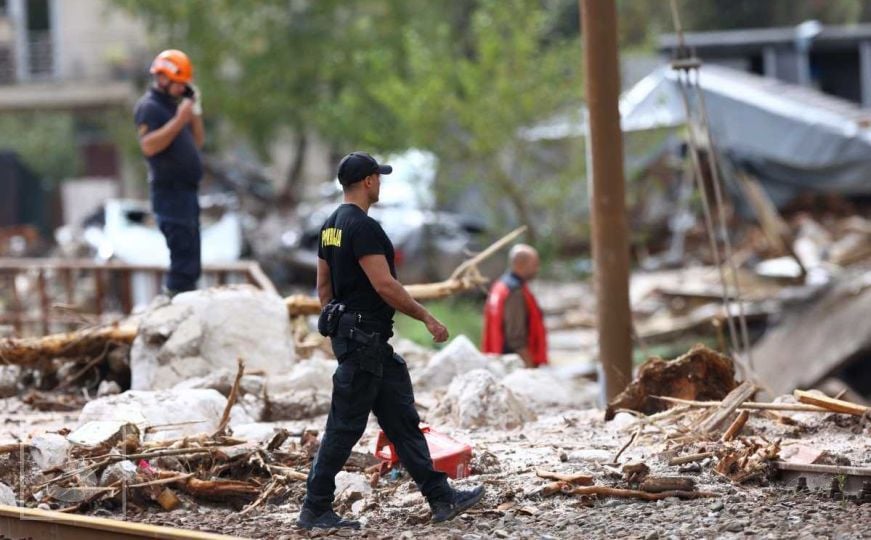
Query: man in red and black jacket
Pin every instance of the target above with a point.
(513, 322)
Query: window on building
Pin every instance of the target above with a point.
(39, 37)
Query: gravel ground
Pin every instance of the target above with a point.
(569, 441)
(757, 513)
(578, 441)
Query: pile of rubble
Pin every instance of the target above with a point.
(239, 441)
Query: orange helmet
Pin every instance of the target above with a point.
(174, 64)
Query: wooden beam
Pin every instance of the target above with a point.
(32, 523)
(732, 401)
(88, 342)
(831, 404)
(826, 469)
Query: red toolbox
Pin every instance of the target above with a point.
(448, 456)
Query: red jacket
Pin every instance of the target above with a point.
(494, 311)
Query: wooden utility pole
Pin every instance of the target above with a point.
(608, 193)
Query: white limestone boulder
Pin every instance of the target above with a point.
(203, 331)
(476, 399)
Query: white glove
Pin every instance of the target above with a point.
(197, 109)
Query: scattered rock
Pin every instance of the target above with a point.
(189, 412)
(485, 463)
(351, 487)
(108, 388)
(477, 399)
(544, 387)
(220, 380)
(104, 434)
(591, 456)
(308, 375)
(735, 526)
(49, 450)
(459, 356)
(9, 380)
(123, 471)
(202, 331)
(414, 355)
(257, 431)
(297, 405)
(7, 496)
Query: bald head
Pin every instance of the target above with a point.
(523, 261)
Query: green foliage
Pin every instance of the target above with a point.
(457, 78)
(641, 21)
(460, 315)
(46, 142)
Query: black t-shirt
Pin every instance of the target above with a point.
(347, 235)
(178, 166)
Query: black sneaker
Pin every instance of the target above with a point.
(326, 520)
(461, 500)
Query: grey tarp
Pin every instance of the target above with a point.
(792, 138)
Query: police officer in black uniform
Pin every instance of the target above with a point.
(357, 287)
(170, 126)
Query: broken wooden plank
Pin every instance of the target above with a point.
(826, 469)
(736, 426)
(799, 351)
(573, 478)
(831, 404)
(731, 402)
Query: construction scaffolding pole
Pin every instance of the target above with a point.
(607, 193)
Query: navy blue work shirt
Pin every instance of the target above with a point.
(174, 173)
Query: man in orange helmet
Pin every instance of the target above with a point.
(170, 126)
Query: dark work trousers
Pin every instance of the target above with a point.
(390, 396)
(183, 240)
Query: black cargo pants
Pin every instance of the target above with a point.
(183, 240)
(357, 390)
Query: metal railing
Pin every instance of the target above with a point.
(41, 296)
(40, 54)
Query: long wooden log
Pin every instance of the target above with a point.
(81, 343)
(636, 494)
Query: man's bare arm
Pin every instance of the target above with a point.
(154, 142)
(392, 291)
(325, 284)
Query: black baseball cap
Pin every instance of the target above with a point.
(357, 166)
